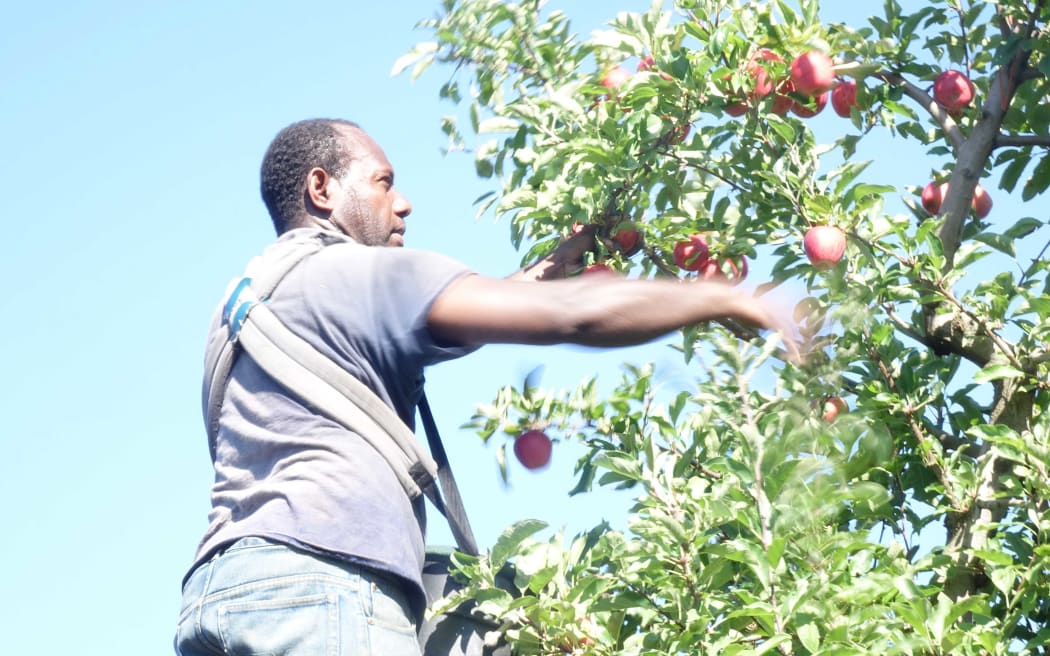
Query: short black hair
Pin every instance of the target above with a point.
(293, 152)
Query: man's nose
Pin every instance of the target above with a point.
(401, 206)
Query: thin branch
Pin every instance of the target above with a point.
(962, 37)
(951, 128)
(1037, 262)
(1004, 347)
(908, 329)
(928, 449)
(1020, 140)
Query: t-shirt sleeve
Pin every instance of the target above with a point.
(416, 279)
(380, 298)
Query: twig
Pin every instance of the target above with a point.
(1037, 262)
(926, 447)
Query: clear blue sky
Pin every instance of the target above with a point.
(131, 138)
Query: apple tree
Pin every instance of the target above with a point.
(889, 493)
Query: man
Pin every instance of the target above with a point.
(313, 547)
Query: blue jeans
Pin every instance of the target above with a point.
(260, 597)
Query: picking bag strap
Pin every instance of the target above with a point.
(454, 511)
(320, 383)
(264, 273)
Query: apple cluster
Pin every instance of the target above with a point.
(694, 254)
(803, 92)
(934, 193)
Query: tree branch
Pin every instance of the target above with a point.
(1020, 140)
(951, 128)
(1029, 74)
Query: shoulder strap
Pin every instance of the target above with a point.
(320, 383)
(454, 511)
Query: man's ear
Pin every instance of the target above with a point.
(319, 192)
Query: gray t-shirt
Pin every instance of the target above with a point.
(286, 473)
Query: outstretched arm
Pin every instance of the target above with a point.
(592, 311)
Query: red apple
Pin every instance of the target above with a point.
(598, 268)
(764, 82)
(691, 254)
(811, 107)
(844, 98)
(933, 195)
(615, 78)
(628, 239)
(533, 449)
(833, 406)
(783, 101)
(678, 132)
(729, 269)
(812, 73)
(648, 63)
(953, 90)
(824, 246)
(736, 109)
(982, 202)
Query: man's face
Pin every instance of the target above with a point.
(369, 209)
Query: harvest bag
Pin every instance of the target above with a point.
(249, 325)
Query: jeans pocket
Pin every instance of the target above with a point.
(387, 607)
(296, 626)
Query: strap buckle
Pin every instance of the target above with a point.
(238, 303)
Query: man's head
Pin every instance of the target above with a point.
(330, 173)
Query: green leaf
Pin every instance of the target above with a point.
(619, 463)
(809, 636)
(498, 124)
(493, 601)
(859, 191)
(567, 103)
(1040, 305)
(1023, 227)
(996, 372)
(421, 50)
(512, 538)
(997, 557)
(782, 128)
(772, 643)
(1039, 180)
(1012, 173)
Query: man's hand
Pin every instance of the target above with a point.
(761, 312)
(564, 260)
